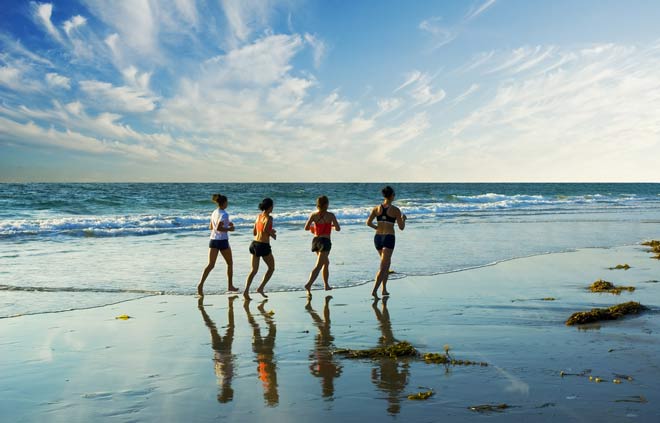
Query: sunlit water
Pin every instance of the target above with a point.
(71, 246)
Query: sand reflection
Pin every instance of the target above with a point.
(322, 362)
(390, 375)
(263, 348)
(223, 359)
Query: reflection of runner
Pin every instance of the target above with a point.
(391, 375)
(386, 215)
(263, 349)
(322, 363)
(321, 224)
(222, 356)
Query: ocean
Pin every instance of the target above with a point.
(74, 246)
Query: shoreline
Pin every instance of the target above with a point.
(274, 359)
(393, 277)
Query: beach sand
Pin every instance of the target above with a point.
(180, 359)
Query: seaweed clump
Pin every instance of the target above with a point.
(419, 396)
(655, 247)
(610, 313)
(400, 349)
(488, 408)
(447, 359)
(605, 286)
(621, 266)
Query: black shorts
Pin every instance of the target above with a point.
(260, 249)
(320, 244)
(220, 244)
(384, 241)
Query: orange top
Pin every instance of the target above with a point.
(322, 229)
(260, 224)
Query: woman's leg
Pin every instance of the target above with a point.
(383, 271)
(315, 272)
(253, 271)
(270, 262)
(226, 254)
(326, 270)
(213, 256)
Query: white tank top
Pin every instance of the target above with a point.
(218, 216)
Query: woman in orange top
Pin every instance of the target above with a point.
(321, 224)
(260, 247)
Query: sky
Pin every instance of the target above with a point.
(330, 91)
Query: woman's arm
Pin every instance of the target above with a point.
(370, 219)
(308, 224)
(272, 232)
(400, 219)
(335, 223)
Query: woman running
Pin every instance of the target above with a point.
(220, 227)
(260, 247)
(386, 215)
(321, 224)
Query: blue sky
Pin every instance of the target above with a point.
(227, 90)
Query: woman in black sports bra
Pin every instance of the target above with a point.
(386, 216)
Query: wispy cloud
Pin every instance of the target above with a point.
(478, 10)
(471, 90)
(441, 34)
(418, 86)
(58, 81)
(318, 48)
(42, 14)
(123, 98)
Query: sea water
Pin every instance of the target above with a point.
(71, 246)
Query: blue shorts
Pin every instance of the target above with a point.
(384, 241)
(219, 244)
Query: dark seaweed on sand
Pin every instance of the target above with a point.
(610, 313)
(405, 349)
(655, 247)
(488, 408)
(620, 266)
(605, 286)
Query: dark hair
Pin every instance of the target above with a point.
(322, 201)
(219, 199)
(388, 191)
(265, 204)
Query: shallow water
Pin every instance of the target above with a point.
(69, 246)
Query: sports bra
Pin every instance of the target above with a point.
(322, 229)
(259, 224)
(383, 217)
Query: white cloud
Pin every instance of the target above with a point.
(387, 105)
(471, 90)
(188, 11)
(419, 88)
(134, 20)
(58, 81)
(476, 11)
(318, 47)
(122, 98)
(441, 34)
(243, 16)
(42, 13)
(10, 77)
(597, 117)
(73, 23)
(15, 46)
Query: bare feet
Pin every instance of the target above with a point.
(308, 288)
(374, 294)
(232, 288)
(328, 288)
(246, 295)
(261, 291)
(200, 290)
(385, 293)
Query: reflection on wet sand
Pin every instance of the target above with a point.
(390, 375)
(222, 356)
(263, 349)
(322, 363)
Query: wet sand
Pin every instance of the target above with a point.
(180, 359)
